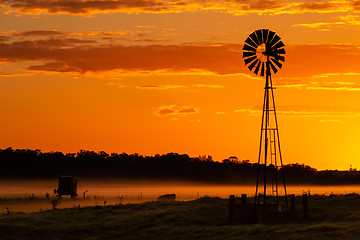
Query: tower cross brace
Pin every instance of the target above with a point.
(270, 162)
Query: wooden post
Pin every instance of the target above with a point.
(292, 202)
(243, 199)
(231, 208)
(231, 200)
(305, 207)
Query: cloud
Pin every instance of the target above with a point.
(217, 59)
(54, 67)
(46, 44)
(331, 121)
(317, 5)
(237, 7)
(310, 60)
(307, 111)
(164, 87)
(335, 86)
(207, 86)
(128, 35)
(106, 33)
(170, 87)
(313, 25)
(262, 5)
(221, 59)
(356, 5)
(4, 38)
(87, 6)
(343, 21)
(118, 85)
(148, 40)
(38, 33)
(322, 82)
(2, 74)
(175, 111)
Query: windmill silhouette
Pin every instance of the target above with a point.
(263, 53)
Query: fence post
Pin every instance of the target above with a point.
(305, 207)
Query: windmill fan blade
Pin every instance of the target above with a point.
(276, 62)
(272, 67)
(254, 38)
(257, 68)
(270, 37)
(280, 51)
(278, 45)
(274, 40)
(248, 48)
(253, 64)
(265, 34)
(249, 60)
(262, 69)
(281, 58)
(248, 54)
(260, 36)
(250, 42)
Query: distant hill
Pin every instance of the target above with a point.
(35, 164)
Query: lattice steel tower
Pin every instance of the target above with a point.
(262, 52)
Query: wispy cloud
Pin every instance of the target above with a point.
(4, 38)
(178, 58)
(207, 86)
(175, 111)
(237, 7)
(85, 6)
(173, 87)
(307, 111)
(332, 121)
(340, 22)
(2, 74)
(322, 82)
(116, 84)
(158, 87)
(130, 35)
(319, 5)
(87, 55)
(38, 33)
(335, 86)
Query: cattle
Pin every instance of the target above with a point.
(167, 197)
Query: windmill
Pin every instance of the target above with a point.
(263, 53)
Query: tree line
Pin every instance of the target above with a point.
(35, 164)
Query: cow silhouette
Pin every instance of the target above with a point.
(167, 197)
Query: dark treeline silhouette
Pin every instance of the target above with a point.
(34, 164)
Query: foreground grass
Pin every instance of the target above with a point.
(206, 218)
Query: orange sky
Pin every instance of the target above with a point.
(161, 76)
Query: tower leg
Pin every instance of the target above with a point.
(269, 149)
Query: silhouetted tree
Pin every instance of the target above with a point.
(26, 163)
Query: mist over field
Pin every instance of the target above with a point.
(30, 195)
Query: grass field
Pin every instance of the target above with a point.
(332, 218)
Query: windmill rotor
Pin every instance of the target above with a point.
(263, 52)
